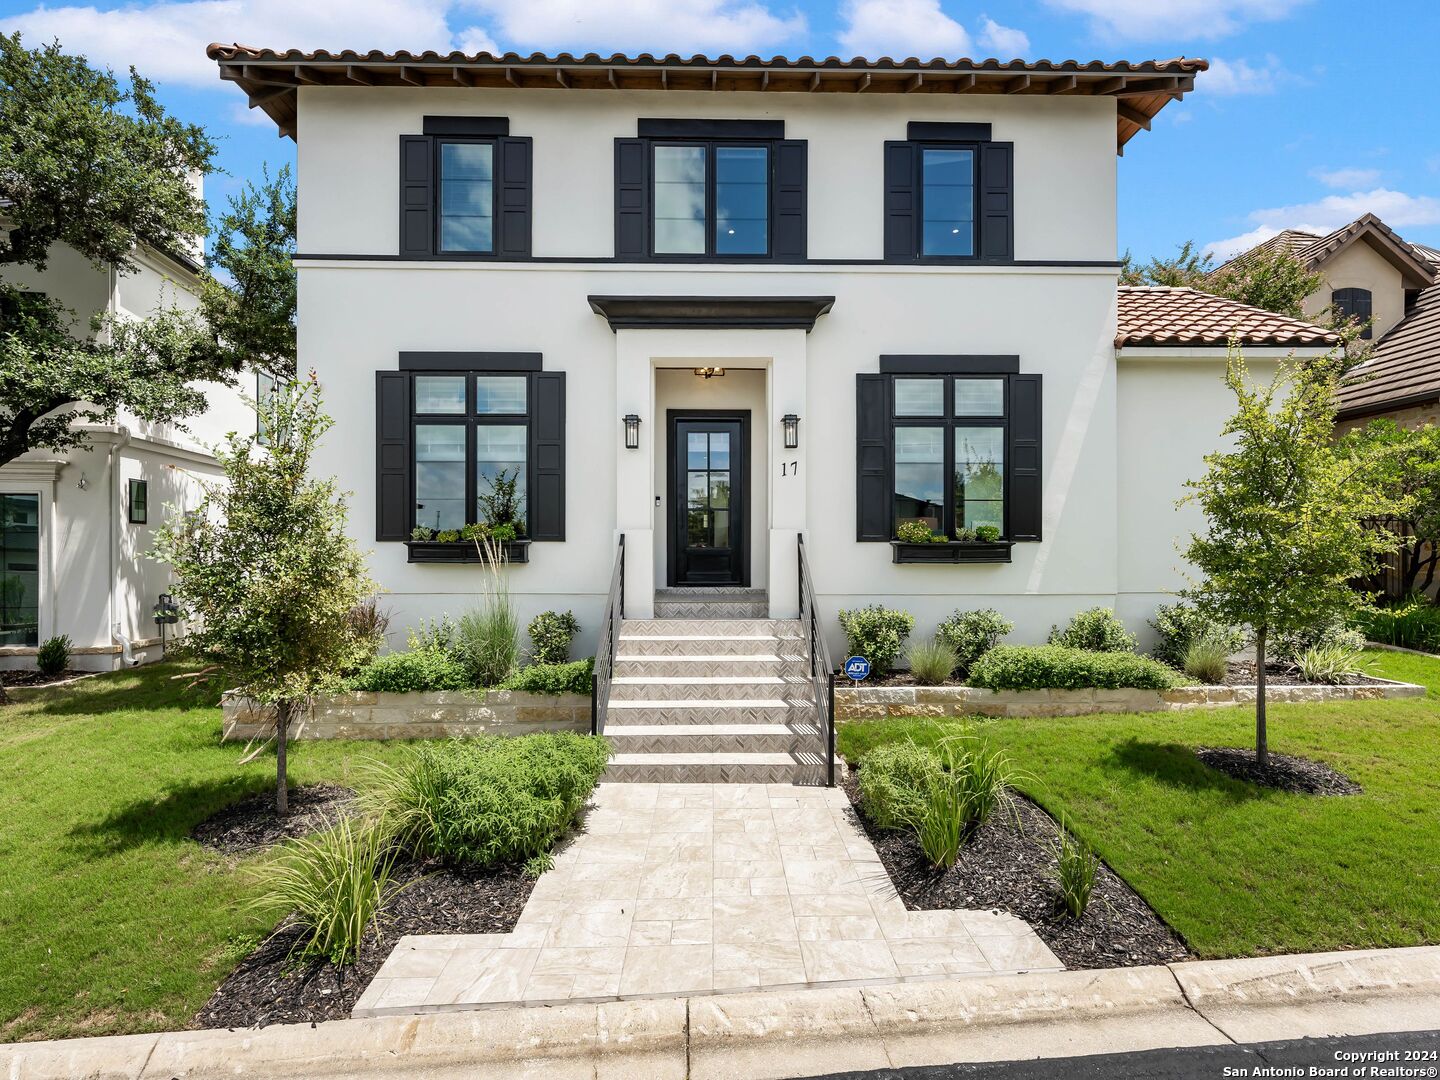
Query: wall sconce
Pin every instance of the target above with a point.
(792, 430)
(83, 482)
(709, 372)
(632, 431)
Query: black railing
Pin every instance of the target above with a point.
(822, 671)
(609, 635)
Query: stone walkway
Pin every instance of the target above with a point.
(680, 888)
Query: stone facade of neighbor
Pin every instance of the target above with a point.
(879, 702)
(439, 715)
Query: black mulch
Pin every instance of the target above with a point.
(1008, 865)
(252, 824)
(1242, 673)
(35, 678)
(272, 986)
(1295, 775)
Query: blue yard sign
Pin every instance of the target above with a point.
(857, 668)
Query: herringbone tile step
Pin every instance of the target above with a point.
(711, 687)
(716, 769)
(714, 738)
(707, 645)
(714, 628)
(711, 609)
(735, 711)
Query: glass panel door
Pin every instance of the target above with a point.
(708, 532)
(19, 569)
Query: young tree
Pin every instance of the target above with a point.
(1267, 278)
(252, 316)
(1285, 514)
(102, 168)
(267, 570)
(1409, 468)
(1188, 267)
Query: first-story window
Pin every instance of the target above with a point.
(138, 501)
(948, 434)
(19, 569)
(470, 442)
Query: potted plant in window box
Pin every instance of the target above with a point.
(915, 543)
(501, 508)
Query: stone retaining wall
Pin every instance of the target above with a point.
(367, 715)
(878, 702)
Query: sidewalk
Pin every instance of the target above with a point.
(806, 1032)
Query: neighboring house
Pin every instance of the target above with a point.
(75, 527)
(830, 297)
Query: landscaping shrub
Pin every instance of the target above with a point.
(978, 773)
(972, 634)
(940, 828)
(1076, 868)
(368, 624)
(550, 636)
(53, 656)
(1180, 625)
(336, 882)
(1041, 667)
(552, 679)
(416, 671)
(894, 781)
(1335, 663)
(1414, 623)
(877, 634)
(1336, 633)
(487, 640)
(490, 800)
(1206, 660)
(1097, 629)
(437, 636)
(931, 661)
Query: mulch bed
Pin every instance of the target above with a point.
(1295, 775)
(252, 824)
(1242, 673)
(1008, 865)
(31, 677)
(274, 986)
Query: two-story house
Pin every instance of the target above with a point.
(75, 527)
(719, 305)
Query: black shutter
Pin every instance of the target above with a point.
(632, 198)
(790, 197)
(901, 237)
(1354, 304)
(547, 451)
(1026, 489)
(997, 200)
(873, 498)
(417, 196)
(394, 515)
(512, 240)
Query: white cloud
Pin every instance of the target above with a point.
(1395, 208)
(1147, 20)
(1346, 178)
(1005, 42)
(166, 39)
(241, 113)
(901, 29)
(475, 39)
(683, 26)
(1229, 78)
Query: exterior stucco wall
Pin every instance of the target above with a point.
(1360, 266)
(1414, 416)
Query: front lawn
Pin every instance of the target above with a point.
(111, 919)
(1236, 869)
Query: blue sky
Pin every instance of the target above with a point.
(1315, 111)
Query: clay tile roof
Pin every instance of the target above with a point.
(1404, 368)
(1159, 315)
(1313, 250)
(271, 78)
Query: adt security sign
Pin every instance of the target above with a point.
(857, 668)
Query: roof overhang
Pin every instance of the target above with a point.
(711, 312)
(1375, 234)
(1140, 90)
(1219, 351)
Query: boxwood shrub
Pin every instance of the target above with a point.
(1054, 667)
(421, 669)
(572, 678)
(876, 633)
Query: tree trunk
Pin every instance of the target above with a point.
(282, 728)
(1262, 746)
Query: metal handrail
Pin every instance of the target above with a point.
(609, 635)
(822, 671)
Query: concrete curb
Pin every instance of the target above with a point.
(806, 1032)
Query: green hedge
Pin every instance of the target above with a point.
(1054, 667)
(419, 670)
(552, 679)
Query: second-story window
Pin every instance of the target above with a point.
(947, 201)
(711, 199)
(1356, 305)
(949, 195)
(465, 190)
(467, 197)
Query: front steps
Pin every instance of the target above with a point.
(713, 700)
(721, 602)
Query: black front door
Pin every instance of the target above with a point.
(709, 526)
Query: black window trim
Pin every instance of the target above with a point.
(134, 484)
(438, 142)
(471, 420)
(922, 145)
(949, 422)
(710, 143)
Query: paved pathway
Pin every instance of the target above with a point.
(704, 888)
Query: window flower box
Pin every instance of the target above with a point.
(954, 551)
(462, 551)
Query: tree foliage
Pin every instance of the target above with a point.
(252, 314)
(1409, 469)
(266, 569)
(101, 167)
(1187, 268)
(1286, 511)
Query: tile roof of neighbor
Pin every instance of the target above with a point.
(1313, 249)
(1404, 368)
(271, 77)
(1161, 315)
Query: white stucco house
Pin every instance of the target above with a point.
(75, 527)
(718, 305)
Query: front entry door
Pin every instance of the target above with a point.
(709, 527)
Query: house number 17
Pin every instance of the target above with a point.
(790, 468)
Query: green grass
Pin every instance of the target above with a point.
(111, 920)
(1236, 869)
